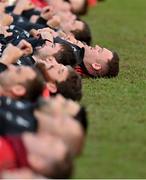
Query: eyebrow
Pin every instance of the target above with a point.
(49, 40)
(50, 67)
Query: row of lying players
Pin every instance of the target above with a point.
(78, 7)
(42, 55)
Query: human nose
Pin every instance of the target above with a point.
(97, 47)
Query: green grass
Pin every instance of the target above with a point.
(116, 142)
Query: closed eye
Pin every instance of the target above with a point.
(61, 71)
(50, 67)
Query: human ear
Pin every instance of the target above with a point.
(18, 90)
(96, 66)
(52, 87)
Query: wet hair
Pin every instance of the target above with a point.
(71, 88)
(83, 35)
(34, 87)
(81, 117)
(66, 55)
(113, 66)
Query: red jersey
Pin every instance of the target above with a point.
(46, 92)
(80, 71)
(40, 3)
(12, 153)
(7, 155)
(92, 2)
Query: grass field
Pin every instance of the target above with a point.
(116, 142)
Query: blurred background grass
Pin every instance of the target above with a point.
(116, 141)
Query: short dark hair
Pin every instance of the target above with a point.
(83, 35)
(34, 87)
(113, 66)
(42, 68)
(71, 88)
(63, 169)
(66, 55)
(81, 117)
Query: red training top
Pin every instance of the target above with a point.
(80, 71)
(40, 3)
(12, 153)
